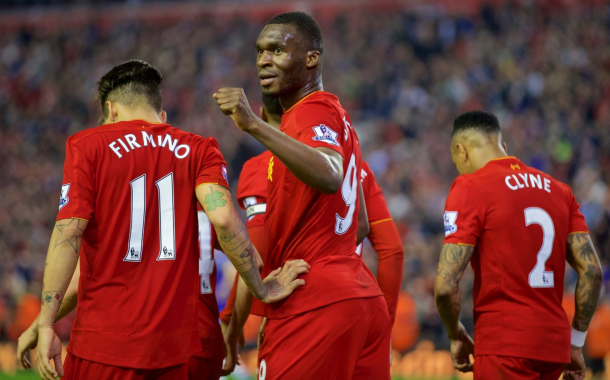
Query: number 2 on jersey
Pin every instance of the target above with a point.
(167, 237)
(539, 277)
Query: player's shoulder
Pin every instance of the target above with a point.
(254, 164)
(86, 134)
(319, 101)
(253, 178)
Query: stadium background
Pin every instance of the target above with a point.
(402, 69)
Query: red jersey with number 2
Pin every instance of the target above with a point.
(518, 218)
(135, 183)
(303, 223)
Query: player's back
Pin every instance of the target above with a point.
(524, 217)
(137, 302)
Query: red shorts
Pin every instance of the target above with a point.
(346, 340)
(512, 368)
(204, 369)
(76, 368)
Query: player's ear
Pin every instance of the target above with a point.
(112, 112)
(163, 116)
(263, 115)
(313, 59)
(462, 153)
(505, 147)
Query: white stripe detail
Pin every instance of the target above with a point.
(260, 208)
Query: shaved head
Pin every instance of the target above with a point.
(475, 140)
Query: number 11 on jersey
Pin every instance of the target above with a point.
(167, 236)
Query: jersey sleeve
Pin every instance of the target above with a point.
(320, 126)
(464, 213)
(386, 242)
(77, 199)
(212, 167)
(376, 207)
(252, 184)
(577, 219)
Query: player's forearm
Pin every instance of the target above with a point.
(582, 257)
(448, 304)
(309, 165)
(387, 244)
(241, 311)
(62, 258)
(236, 244)
(452, 263)
(586, 295)
(389, 275)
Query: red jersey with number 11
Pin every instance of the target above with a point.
(303, 223)
(135, 183)
(518, 218)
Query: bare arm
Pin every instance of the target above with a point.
(581, 256)
(62, 257)
(234, 241)
(451, 266)
(363, 219)
(29, 338)
(320, 168)
(453, 261)
(59, 274)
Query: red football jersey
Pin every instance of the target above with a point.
(303, 223)
(376, 208)
(384, 238)
(135, 183)
(252, 188)
(519, 219)
(210, 333)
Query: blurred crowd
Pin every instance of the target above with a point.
(403, 75)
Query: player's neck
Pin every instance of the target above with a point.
(489, 155)
(126, 114)
(309, 88)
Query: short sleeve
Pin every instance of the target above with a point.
(464, 216)
(319, 125)
(252, 183)
(577, 219)
(212, 167)
(77, 199)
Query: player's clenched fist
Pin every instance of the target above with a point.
(283, 281)
(233, 102)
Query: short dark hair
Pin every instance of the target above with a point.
(306, 25)
(272, 106)
(131, 83)
(478, 120)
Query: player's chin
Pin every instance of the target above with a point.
(271, 90)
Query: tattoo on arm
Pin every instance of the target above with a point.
(588, 286)
(453, 261)
(51, 298)
(74, 240)
(214, 200)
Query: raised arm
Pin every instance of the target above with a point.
(581, 256)
(62, 257)
(320, 168)
(451, 266)
(234, 240)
